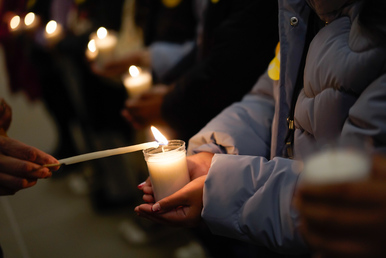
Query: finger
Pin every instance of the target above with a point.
(15, 183)
(175, 217)
(148, 198)
(22, 168)
(14, 148)
(342, 194)
(334, 247)
(379, 166)
(5, 115)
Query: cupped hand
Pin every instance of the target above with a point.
(182, 208)
(198, 165)
(345, 219)
(145, 109)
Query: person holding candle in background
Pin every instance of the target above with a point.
(168, 29)
(345, 219)
(225, 54)
(327, 82)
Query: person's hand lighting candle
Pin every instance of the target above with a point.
(167, 166)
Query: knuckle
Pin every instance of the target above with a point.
(30, 154)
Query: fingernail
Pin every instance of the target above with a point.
(141, 185)
(156, 207)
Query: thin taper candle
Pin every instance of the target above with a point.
(104, 153)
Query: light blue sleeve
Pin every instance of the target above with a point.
(249, 198)
(165, 55)
(243, 128)
(246, 195)
(367, 117)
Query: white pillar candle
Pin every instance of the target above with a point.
(336, 165)
(105, 42)
(136, 81)
(53, 33)
(168, 168)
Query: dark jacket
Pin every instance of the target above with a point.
(239, 39)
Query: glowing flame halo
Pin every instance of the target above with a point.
(159, 136)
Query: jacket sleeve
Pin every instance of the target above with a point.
(246, 196)
(249, 198)
(244, 128)
(367, 117)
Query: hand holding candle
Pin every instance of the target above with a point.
(167, 166)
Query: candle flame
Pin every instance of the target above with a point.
(29, 19)
(158, 136)
(51, 27)
(91, 45)
(102, 33)
(15, 22)
(134, 71)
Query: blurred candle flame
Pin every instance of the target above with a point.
(29, 19)
(134, 71)
(91, 45)
(102, 33)
(15, 22)
(158, 136)
(51, 27)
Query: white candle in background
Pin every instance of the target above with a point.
(15, 24)
(167, 167)
(92, 51)
(336, 165)
(137, 81)
(105, 42)
(31, 21)
(53, 32)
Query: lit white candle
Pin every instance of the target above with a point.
(15, 24)
(105, 42)
(137, 81)
(167, 167)
(53, 32)
(31, 21)
(104, 153)
(92, 51)
(336, 165)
